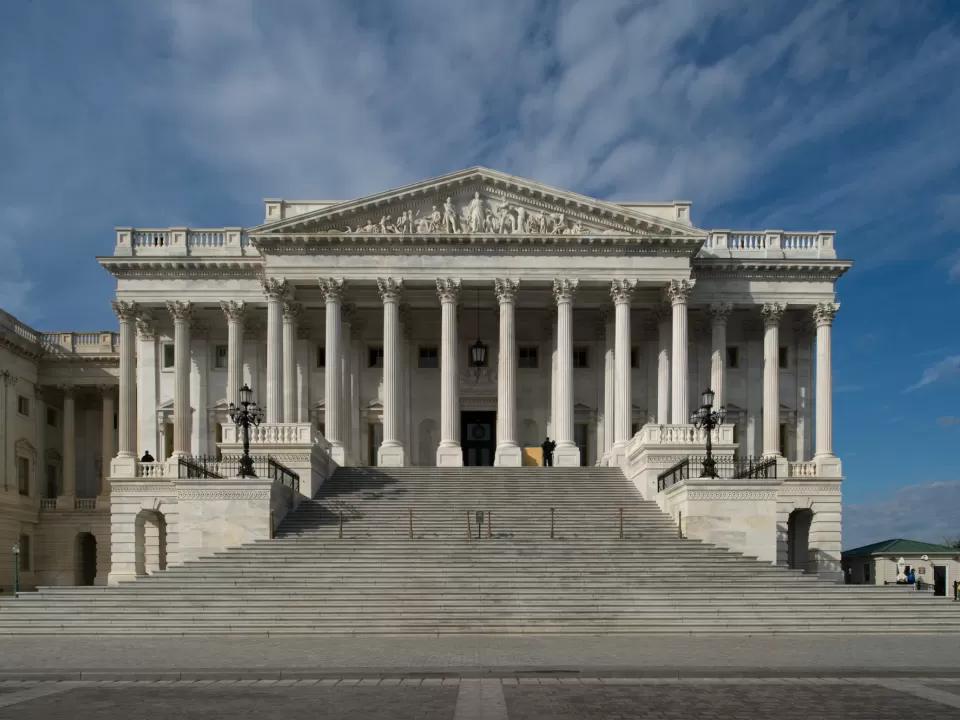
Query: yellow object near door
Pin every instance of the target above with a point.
(532, 457)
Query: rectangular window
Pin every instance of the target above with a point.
(527, 357)
(784, 358)
(220, 357)
(581, 357)
(167, 356)
(23, 405)
(23, 475)
(783, 439)
(24, 553)
(733, 357)
(866, 572)
(375, 356)
(428, 358)
(321, 356)
(581, 435)
(635, 358)
(52, 417)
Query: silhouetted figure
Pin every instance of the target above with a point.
(147, 457)
(547, 447)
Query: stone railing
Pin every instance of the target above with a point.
(769, 243)
(84, 503)
(151, 469)
(802, 469)
(272, 434)
(182, 241)
(651, 434)
(48, 503)
(8, 323)
(89, 343)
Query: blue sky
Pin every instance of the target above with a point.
(826, 114)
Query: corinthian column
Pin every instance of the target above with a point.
(347, 311)
(127, 416)
(391, 453)
(107, 394)
(332, 289)
(609, 383)
(276, 291)
(508, 449)
(449, 453)
(622, 293)
(182, 313)
(678, 292)
(663, 316)
(772, 312)
(69, 470)
(823, 315)
(235, 312)
(719, 312)
(291, 310)
(566, 454)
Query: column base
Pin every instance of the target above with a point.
(508, 455)
(618, 456)
(449, 456)
(566, 456)
(125, 467)
(391, 455)
(828, 466)
(338, 453)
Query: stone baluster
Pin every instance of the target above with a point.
(566, 454)
(391, 453)
(107, 395)
(772, 312)
(622, 293)
(678, 292)
(182, 312)
(69, 470)
(235, 312)
(508, 452)
(276, 291)
(332, 289)
(291, 311)
(449, 453)
(823, 315)
(719, 312)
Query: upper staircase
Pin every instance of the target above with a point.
(396, 551)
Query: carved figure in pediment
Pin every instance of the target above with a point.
(475, 214)
(401, 224)
(384, 224)
(541, 221)
(521, 219)
(559, 223)
(504, 217)
(450, 224)
(489, 223)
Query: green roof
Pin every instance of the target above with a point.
(899, 546)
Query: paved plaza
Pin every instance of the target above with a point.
(557, 698)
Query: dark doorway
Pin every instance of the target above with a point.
(798, 540)
(940, 580)
(87, 559)
(478, 437)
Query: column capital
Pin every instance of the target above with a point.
(126, 311)
(678, 291)
(107, 390)
(291, 310)
(68, 389)
(146, 325)
(448, 289)
(332, 289)
(180, 311)
(719, 312)
(234, 310)
(622, 291)
(506, 289)
(564, 289)
(772, 312)
(390, 289)
(276, 288)
(824, 313)
(9, 379)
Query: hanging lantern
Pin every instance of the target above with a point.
(478, 355)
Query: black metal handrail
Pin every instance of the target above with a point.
(264, 466)
(191, 468)
(282, 474)
(726, 469)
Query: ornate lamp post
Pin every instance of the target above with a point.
(249, 413)
(478, 351)
(16, 570)
(708, 419)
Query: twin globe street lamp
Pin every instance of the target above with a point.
(707, 419)
(247, 415)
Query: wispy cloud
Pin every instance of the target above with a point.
(925, 512)
(949, 367)
(948, 420)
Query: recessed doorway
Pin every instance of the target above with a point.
(478, 437)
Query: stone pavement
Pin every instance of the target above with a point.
(555, 698)
(230, 657)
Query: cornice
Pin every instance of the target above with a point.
(785, 269)
(19, 347)
(189, 268)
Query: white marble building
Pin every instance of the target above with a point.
(355, 324)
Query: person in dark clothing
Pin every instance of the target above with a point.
(147, 457)
(547, 447)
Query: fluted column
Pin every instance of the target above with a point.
(332, 289)
(127, 416)
(69, 469)
(567, 454)
(234, 312)
(391, 453)
(663, 314)
(823, 315)
(107, 394)
(719, 312)
(182, 313)
(449, 452)
(347, 311)
(609, 383)
(622, 293)
(291, 311)
(678, 292)
(772, 312)
(276, 291)
(508, 449)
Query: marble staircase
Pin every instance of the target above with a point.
(397, 551)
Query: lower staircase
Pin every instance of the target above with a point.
(403, 551)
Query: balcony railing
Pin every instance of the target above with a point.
(181, 241)
(759, 243)
(264, 466)
(726, 469)
(89, 343)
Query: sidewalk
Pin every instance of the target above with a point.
(71, 658)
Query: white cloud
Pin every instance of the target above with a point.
(949, 367)
(924, 512)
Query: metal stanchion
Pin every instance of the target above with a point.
(551, 522)
(469, 534)
(340, 529)
(621, 523)
(273, 524)
(489, 524)
(680, 524)
(411, 523)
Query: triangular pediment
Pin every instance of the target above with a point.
(478, 201)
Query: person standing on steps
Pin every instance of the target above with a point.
(547, 448)
(147, 457)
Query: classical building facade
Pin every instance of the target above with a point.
(459, 320)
